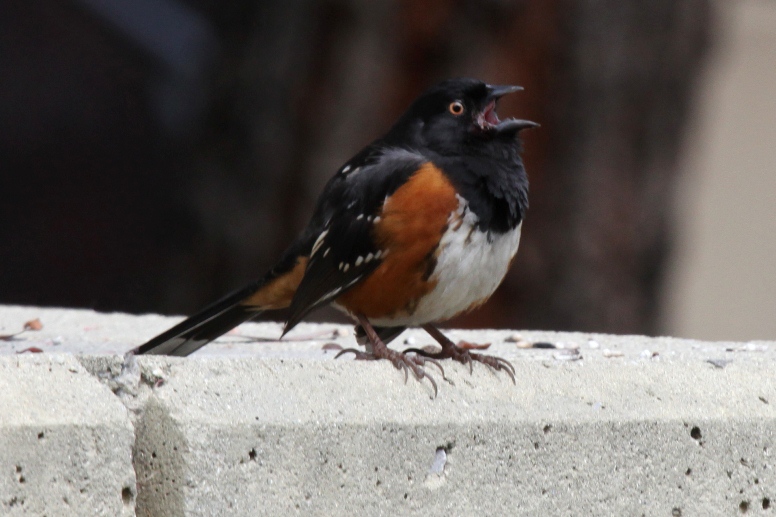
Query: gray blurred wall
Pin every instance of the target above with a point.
(723, 277)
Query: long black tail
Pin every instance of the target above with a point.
(273, 291)
(195, 332)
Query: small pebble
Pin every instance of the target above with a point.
(438, 465)
(514, 338)
(592, 343)
(409, 341)
(568, 354)
(611, 353)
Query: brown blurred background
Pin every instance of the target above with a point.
(156, 154)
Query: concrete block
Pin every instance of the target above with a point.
(272, 437)
(65, 441)
(595, 424)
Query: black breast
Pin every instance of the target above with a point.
(494, 183)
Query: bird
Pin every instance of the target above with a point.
(419, 226)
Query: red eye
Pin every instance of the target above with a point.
(456, 108)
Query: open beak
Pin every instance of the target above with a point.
(496, 92)
(488, 120)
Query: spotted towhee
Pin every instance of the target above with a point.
(419, 226)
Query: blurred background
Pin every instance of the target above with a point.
(156, 154)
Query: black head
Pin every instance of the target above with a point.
(455, 113)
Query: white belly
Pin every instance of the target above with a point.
(469, 269)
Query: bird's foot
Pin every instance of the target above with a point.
(463, 354)
(400, 361)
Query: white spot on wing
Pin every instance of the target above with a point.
(319, 242)
(345, 269)
(359, 260)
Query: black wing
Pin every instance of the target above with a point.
(345, 251)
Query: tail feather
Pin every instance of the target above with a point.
(195, 332)
(274, 291)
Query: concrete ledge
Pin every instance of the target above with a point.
(65, 441)
(603, 425)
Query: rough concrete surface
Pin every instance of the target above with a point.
(65, 441)
(600, 425)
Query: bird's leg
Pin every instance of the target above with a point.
(399, 360)
(461, 354)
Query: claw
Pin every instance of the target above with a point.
(496, 363)
(360, 356)
(422, 357)
(400, 361)
(432, 381)
(462, 353)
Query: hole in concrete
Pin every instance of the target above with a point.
(766, 503)
(695, 432)
(688, 472)
(676, 512)
(126, 495)
(547, 428)
(406, 495)
(744, 506)
(18, 468)
(536, 445)
(252, 454)
(763, 400)
(22, 479)
(41, 435)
